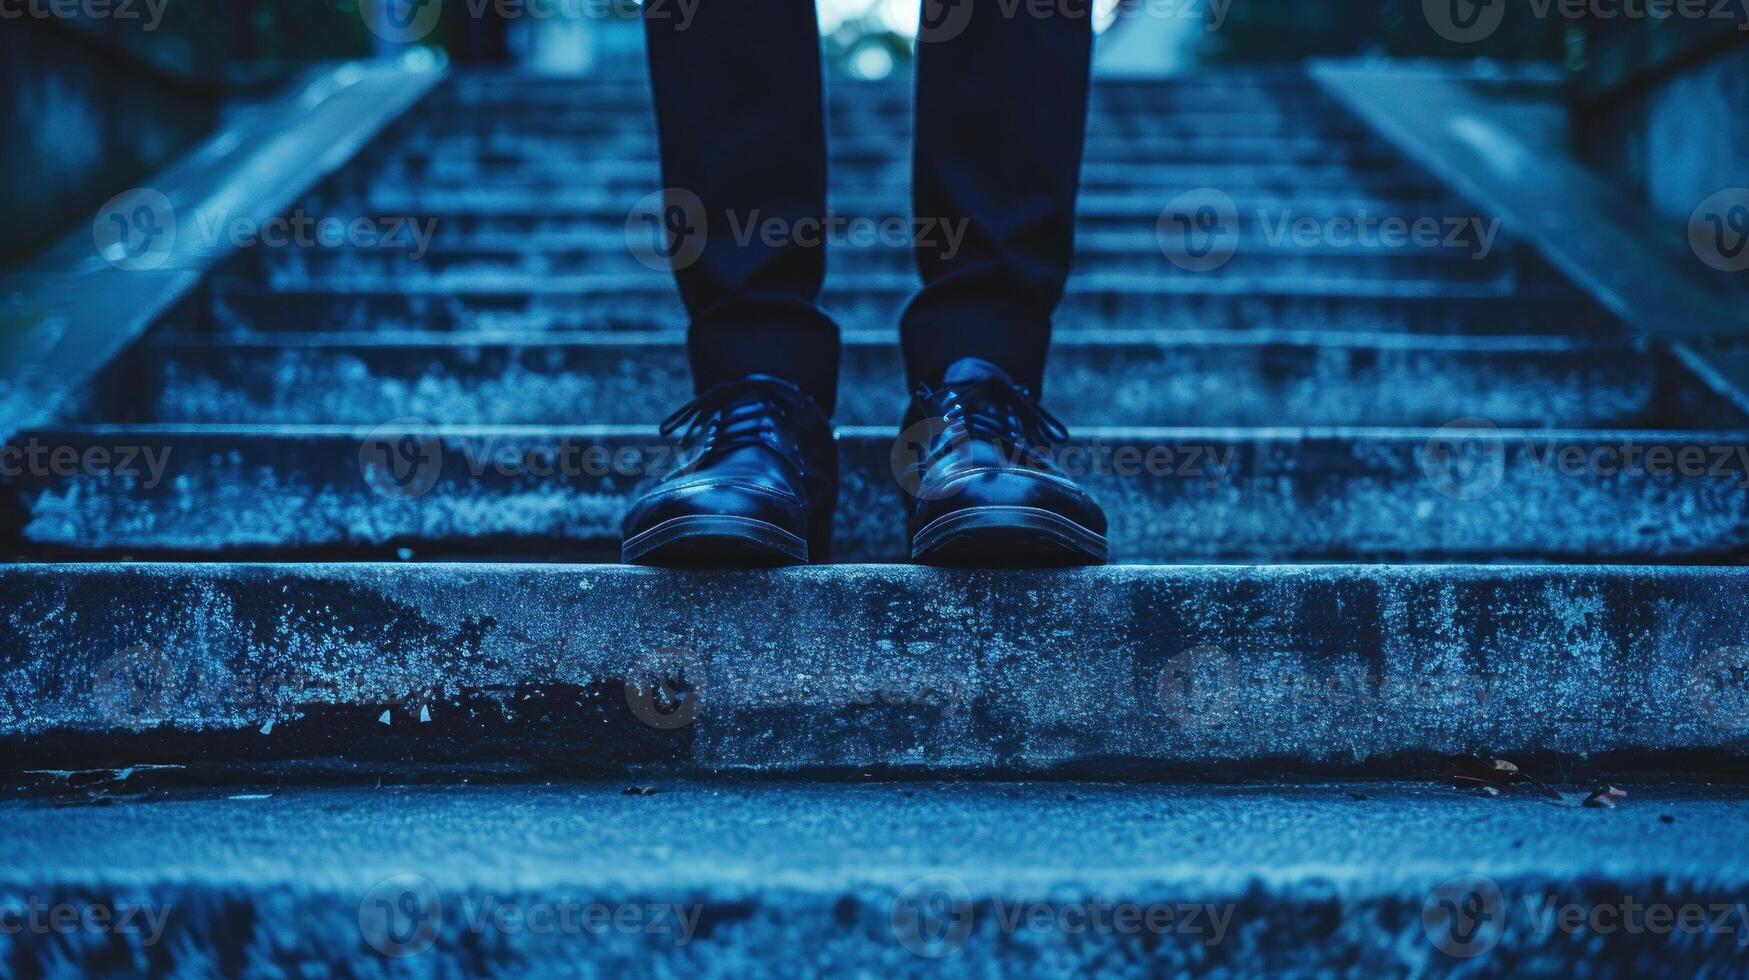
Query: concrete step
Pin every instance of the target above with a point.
(1215, 81)
(1406, 201)
(1467, 492)
(603, 225)
(577, 878)
(534, 149)
(1134, 210)
(403, 260)
(1115, 303)
(1116, 378)
(601, 172)
(1268, 121)
(888, 98)
(887, 668)
(1222, 90)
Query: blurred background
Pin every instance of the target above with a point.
(100, 94)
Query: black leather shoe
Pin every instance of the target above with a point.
(984, 488)
(754, 487)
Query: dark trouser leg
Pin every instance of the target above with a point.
(740, 111)
(1001, 116)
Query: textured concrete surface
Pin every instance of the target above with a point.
(1184, 303)
(1113, 378)
(1172, 495)
(1136, 252)
(345, 672)
(727, 879)
(855, 666)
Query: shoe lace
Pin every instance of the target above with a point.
(734, 413)
(1000, 410)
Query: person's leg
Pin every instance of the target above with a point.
(1001, 118)
(739, 110)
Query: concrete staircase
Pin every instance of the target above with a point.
(371, 498)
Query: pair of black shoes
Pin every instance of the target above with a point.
(758, 479)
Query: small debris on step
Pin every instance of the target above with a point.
(1606, 798)
(1473, 773)
(383, 719)
(639, 791)
(1495, 775)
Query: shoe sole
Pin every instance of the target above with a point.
(998, 536)
(714, 541)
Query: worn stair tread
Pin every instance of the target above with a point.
(536, 149)
(851, 176)
(1180, 494)
(1131, 377)
(1142, 240)
(1096, 211)
(726, 879)
(1304, 272)
(852, 666)
(1220, 283)
(937, 879)
(1187, 302)
(1406, 200)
